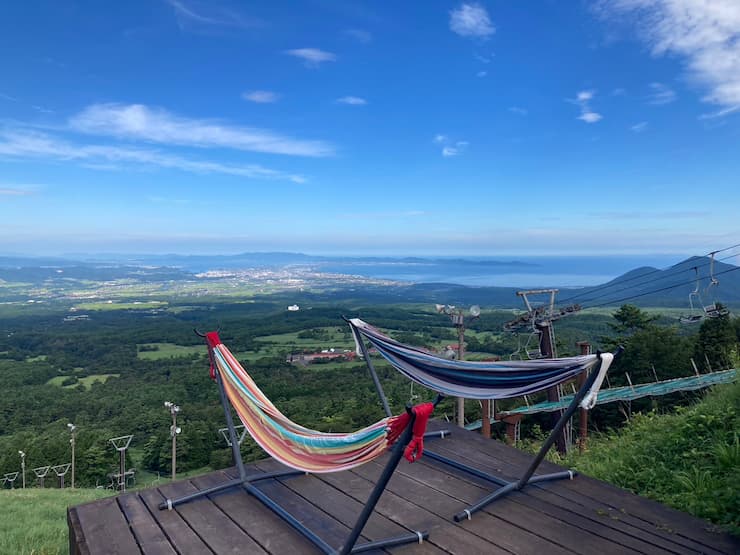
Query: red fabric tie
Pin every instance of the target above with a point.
(212, 339)
(415, 447)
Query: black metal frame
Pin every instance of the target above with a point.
(247, 482)
(506, 486)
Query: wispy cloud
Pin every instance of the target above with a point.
(720, 113)
(660, 94)
(471, 20)
(359, 35)
(352, 100)
(619, 91)
(706, 34)
(8, 97)
(518, 111)
(156, 125)
(312, 57)
(33, 144)
(450, 148)
(582, 100)
(261, 97)
(481, 74)
(639, 127)
(191, 15)
(17, 190)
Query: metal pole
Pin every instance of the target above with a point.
(583, 413)
(460, 355)
(73, 431)
(374, 374)
(236, 453)
(174, 444)
(548, 351)
(23, 467)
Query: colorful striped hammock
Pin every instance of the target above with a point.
(479, 380)
(292, 444)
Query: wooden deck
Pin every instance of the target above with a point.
(562, 517)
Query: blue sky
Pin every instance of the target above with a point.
(497, 127)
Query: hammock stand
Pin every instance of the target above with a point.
(247, 482)
(527, 476)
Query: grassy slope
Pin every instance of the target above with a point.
(689, 459)
(34, 522)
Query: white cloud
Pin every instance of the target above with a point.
(359, 35)
(352, 100)
(471, 20)
(261, 97)
(518, 111)
(619, 92)
(312, 57)
(582, 100)
(33, 144)
(639, 127)
(590, 117)
(140, 122)
(660, 94)
(706, 33)
(190, 16)
(450, 148)
(481, 74)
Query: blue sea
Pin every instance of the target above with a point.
(527, 271)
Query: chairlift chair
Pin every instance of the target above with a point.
(713, 310)
(694, 315)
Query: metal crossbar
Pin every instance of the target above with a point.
(247, 482)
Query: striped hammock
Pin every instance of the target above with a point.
(292, 444)
(479, 380)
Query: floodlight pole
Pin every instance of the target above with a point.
(73, 431)
(174, 430)
(458, 320)
(23, 467)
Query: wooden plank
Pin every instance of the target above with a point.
(545, 533)
(319, 522)
(659, 522)
(106, 529)
(147, 532)
(179, 533)
(346, 510)
(77, 543)
(550, 522)
(443, 533)
(210, 523)
(264, 526)
(468, 454)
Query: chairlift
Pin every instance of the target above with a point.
(533, 353)
(694, 315)
(713, 310)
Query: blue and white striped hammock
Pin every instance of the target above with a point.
(480, 380)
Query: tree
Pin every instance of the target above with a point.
(716, 342)
(631, 319)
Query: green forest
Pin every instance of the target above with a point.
(111, 373)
